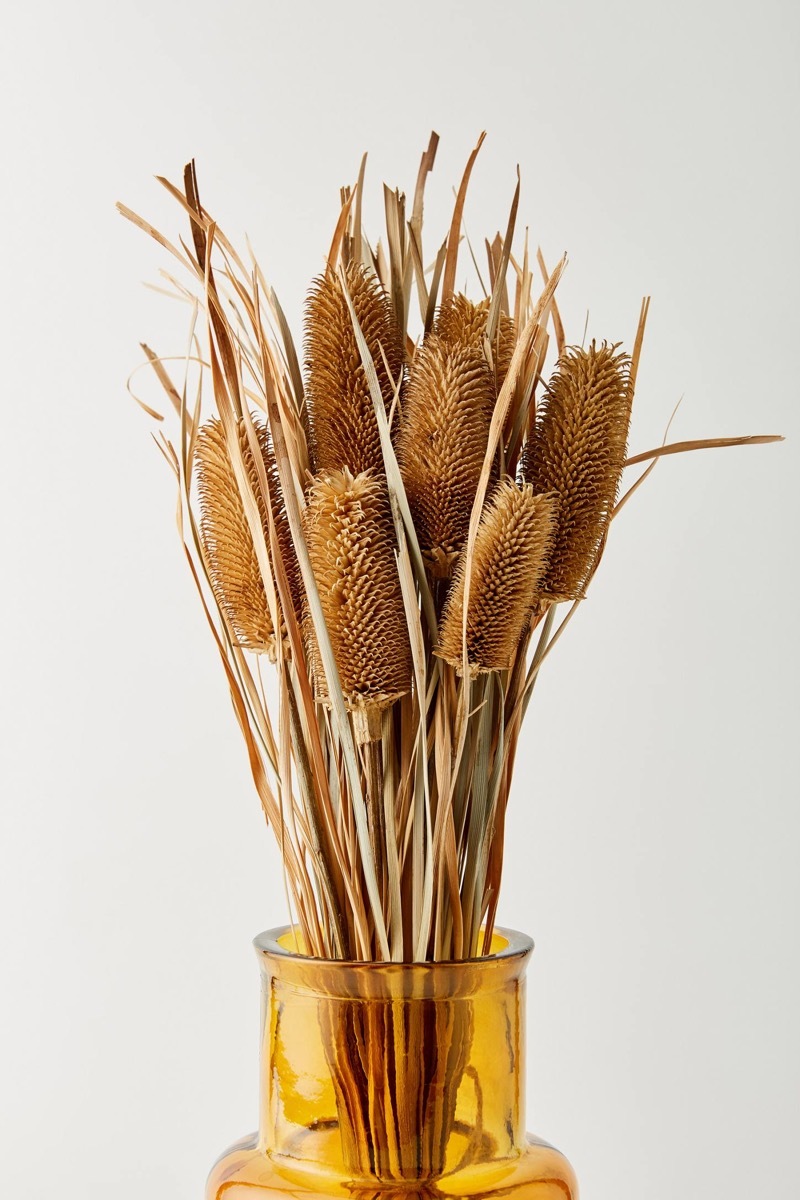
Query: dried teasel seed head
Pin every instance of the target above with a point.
(509, 561)
(578, 449)
(343, 427)
(350, 540)
(447, 412)
(233, 566)
(460, 322)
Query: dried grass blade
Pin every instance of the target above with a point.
(555, 315)
(448, 286)
(392, 856)
(359, 193)
(287, 341)
(433, 293)
(499, 289)
(163, 377)
(425, 167)
(542, 648)
(478, 810)
(284, 793)
(339, 232)
(418, 266)
(524, 280)
(422, 872)
(424, 840)
(637, 345)
(648, 471)
(474, 259)
(495, 780)
(763, 439)
(416, 255)
(523, 409)
(184, 259)
(394, 208)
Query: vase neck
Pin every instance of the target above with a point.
(390, 1072)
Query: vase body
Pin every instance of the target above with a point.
(392, 1077)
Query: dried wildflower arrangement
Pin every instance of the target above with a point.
(391, 518)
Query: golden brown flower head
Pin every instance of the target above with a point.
(578, 450)
(460, 322)
(343, 428)
(447, 412)
(228, 543)
(350, 541)
(512, 545)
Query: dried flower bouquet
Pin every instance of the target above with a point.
(393, 525)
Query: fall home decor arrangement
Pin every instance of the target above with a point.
(389, 533)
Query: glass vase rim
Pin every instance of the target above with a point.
(510, 959)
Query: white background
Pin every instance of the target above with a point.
(653, 837)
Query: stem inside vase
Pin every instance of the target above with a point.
(392, 1072)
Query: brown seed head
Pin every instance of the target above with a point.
(233, 564)
(351, 546)
(462, 323)
(447, 412)
(577, 450)
(512, 545)
(344, 431)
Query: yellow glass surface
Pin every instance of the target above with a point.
(392, 1077)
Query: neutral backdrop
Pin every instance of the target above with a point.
(653, 835)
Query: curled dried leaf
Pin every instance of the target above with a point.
(578, 450)
(512, 546)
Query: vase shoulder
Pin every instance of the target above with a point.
(246, 1172)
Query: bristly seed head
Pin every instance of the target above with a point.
(233, 565)
(460, 322)
(343, 427)
(512, 546)
(447, 412)
(350, 542)
(578, 450)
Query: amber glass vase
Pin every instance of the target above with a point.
(406, 1078)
